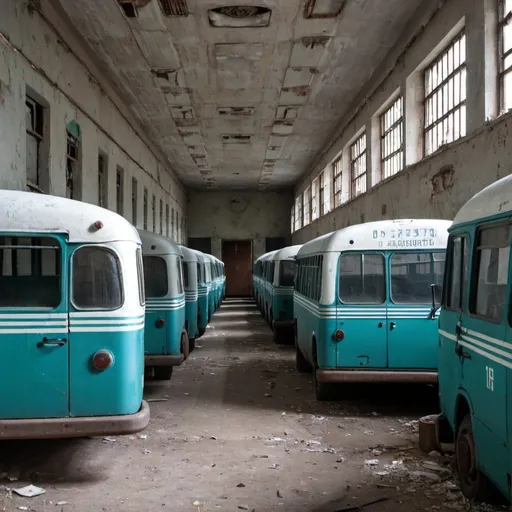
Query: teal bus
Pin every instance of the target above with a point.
(71, 320)
(267, 277)
(166, 342)
(191, 283)
(257, 273)
(202, 294)
(475, 343)
(281, 303)
(362, 303)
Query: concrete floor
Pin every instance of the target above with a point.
(238, 429)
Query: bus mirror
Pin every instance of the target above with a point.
(436, 300)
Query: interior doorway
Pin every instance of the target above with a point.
(237, 257)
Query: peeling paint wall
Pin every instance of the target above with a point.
(39, 53)
(232, 215)
(436, 186)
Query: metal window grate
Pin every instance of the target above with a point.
(314, 200)
(392, 139)
(326, 190)
(358, 165)
(506, 54)
(337, 175)
(292, 219)
(71, 163)
(445, 96)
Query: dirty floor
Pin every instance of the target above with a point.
(238, 429)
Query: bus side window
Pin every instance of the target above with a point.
(490, 276)
(140, 277)
(155, 276)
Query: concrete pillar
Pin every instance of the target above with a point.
(374, 160)
(414, 92)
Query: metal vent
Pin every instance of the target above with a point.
(236, 139)
(239, 16)
(317, 9)
(174, 7)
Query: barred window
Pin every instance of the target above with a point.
(134, 201)
(298, 212)
(306, 206)
(358, 165)
(293, 219)
(392, 139)
(445, 96)
(314, 200)
(325, 186)
(506, 53)
(337, 173)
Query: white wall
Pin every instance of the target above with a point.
(41, 52)
(436, 186)
(239, 216)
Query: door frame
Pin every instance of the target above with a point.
(234, 240)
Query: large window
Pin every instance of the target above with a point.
(307, 206)
(185, 273)
(457, 272)
(96, 279)
(490, 274)
(445, 96)
(72, 166)
(506, 54)
(362, 279)
(298, 212)
(286, 273)
(315, 210)
(325, 190)
(134, 202)
(34, 123)
(292, 219)
(412, 275)
(30, 272)
(155, 276)
(120, 190)
(308, 279)
(392, 139)
(358, 165)
(102, 180)
(337, 177)
(145, 209)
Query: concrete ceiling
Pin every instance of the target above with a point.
(236, 106)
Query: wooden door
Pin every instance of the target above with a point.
(237, 257)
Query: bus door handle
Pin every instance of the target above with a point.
(51, 342)
(392, 326)
(459, 350)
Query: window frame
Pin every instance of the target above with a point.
(460, 70)
(102, 179)
(504, 19)
(358, 156)
(306, 206)
(448, 273)
(167, 287)
(145, 207)
(35, 131)
(135, 201)
(292, 219)
(72, 163)
(387, 137)
(473, 276)
(117, 255)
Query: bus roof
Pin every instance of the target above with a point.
(162, 245)
(188, 254)
(407, 234)
(267, 256)
(286, 253)
(199, 255)
(28, 212)
(492, 200)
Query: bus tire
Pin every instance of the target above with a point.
(163, 372)
(473, 483)
(202, 330)
(191, 344)
(185, 349)
(323, 390)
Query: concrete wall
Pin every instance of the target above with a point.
(436, 186)
(226, 215)
(40, 54)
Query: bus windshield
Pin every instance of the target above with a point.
(287, 273)
(412, 275)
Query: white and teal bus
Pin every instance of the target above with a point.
(362, 303)
(475, 339)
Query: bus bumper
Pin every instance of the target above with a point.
(340, 376)
(162, 360)
(56, 428)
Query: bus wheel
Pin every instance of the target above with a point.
(301, 363)
(191, 344)
(323, 390)
(473, 483)
(185, 347)
(163, 372)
